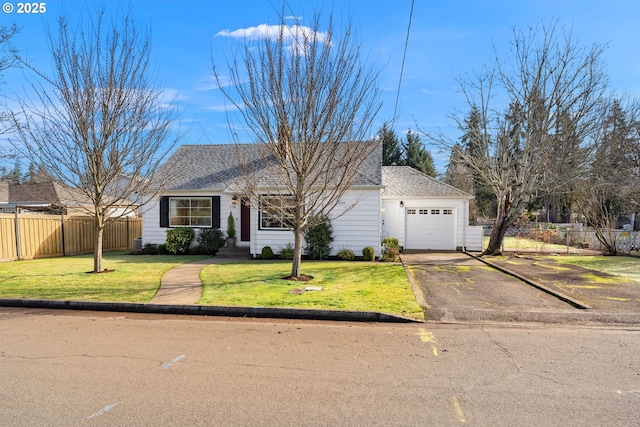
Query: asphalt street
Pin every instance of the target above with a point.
(61, 368)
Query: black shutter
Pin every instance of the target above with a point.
(215, 211)
(164, 211)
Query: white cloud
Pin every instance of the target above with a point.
(224, 108)
(293, 34)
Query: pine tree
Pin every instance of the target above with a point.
(391, 147)
(476, 151)
(417, 156)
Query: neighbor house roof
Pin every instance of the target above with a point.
(40, 195)
(405, 181)
(214, 167)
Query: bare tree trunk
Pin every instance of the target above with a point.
(97, 250)
(495, 239)
(297, 253)
(297, 237)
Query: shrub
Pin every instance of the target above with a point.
(210, 240)
(318, 239)
(267, 252)
(149, 249)
(286, 252)
(368, 253)
(345, 254)
(162, 249)
(391, 255)
(231, 226)
(179, 239)
(390, 242)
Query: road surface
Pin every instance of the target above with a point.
(61, 368)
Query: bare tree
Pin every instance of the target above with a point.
(611, 187)
(522, 103)
(98, 118)
(7, 59)
(308, 100)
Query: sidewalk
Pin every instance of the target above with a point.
(181, 285)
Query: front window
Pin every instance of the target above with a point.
(276, 212)
(190, 212)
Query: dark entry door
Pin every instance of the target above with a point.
(245, 221)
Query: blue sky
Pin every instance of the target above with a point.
(447, 39)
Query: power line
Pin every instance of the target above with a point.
(404, 56)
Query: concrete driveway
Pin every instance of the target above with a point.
(457, 287)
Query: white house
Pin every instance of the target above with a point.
(389, 201)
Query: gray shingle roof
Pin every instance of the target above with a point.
(38, 192)
(214, 166)
(404, 181)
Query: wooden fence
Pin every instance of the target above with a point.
(29, 236)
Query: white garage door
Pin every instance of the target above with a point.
(430, 228)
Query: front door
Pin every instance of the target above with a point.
(245, 221)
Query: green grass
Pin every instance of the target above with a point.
(345, 286)
(625, 266)
(135, 279)
(511, 243)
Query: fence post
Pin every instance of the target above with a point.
(64, 245)
(16, 227)
(127, 241)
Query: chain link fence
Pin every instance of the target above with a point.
(537, 235)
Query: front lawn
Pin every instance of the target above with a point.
(625, 266)
(345, 286)
(135, 279)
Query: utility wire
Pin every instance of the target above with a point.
(404, 56)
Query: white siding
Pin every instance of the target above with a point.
(391, 219)
(151, 231)
(354, 230)
(473, 238)
(361, 226)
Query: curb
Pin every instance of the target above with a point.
(208, 310)
(552, 292)
(591, 318)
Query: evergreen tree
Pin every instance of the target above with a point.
(476, 151)
(391, 147)
(16, 174)
(417, 156)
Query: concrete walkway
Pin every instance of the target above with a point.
(181, 285)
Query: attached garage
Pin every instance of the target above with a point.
(430, 228)
(423, 212)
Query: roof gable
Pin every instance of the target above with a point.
(214, 166)
(405, 181)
